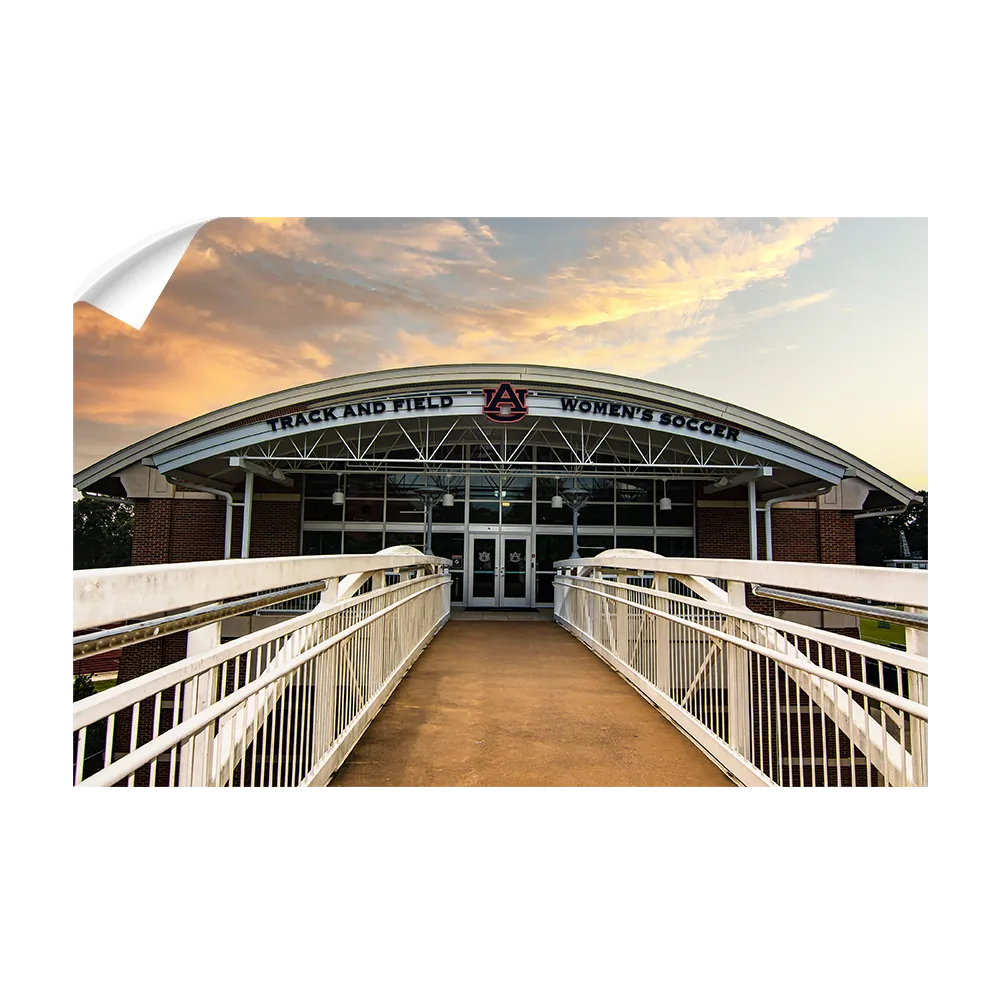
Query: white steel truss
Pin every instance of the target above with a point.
(465, 444)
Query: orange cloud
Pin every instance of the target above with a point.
(259, 304)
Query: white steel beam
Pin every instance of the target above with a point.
(749, 476)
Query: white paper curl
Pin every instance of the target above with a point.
(128, 287)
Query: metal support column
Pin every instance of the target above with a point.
(227, 553)
(752, 503)
(430, 524)
(247, 510)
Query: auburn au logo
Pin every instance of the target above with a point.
(505, 404)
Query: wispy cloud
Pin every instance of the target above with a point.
(789, 306)
(260, 304)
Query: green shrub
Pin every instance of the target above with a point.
(83, 686)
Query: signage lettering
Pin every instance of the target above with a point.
(627, 412)
(503, 405)
(370, 408)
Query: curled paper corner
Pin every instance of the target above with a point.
(129, 287)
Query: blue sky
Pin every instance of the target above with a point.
(821, 323)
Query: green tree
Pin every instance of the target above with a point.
(877, 538)
(102, 534)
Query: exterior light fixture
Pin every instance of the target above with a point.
(431, 496)
(338, 497)
(666, 503)
(577, 499)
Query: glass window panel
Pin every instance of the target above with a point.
(319, 510)
(597, 514)
(415, 538)
(549, 549)
(450, 515)
(634, 490)
(680, 515)
(638, 514)
(319, 486)
(321, 543)
(405, 510)
(402, 485)
(592, 545)
(484, 487)
(484, 567)
(363, 509)
(545, 454)
(516, 513)
(547, 488)
(449, 545)
(600, 489)
(364, 485)
(484, 512)
(357, 543)
(677, 547)
(635, 542)
(544, 588)
(544, 514)
(517, 488)
(679, 490)
(515, 567)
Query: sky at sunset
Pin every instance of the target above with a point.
(821, 323)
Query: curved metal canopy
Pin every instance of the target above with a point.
(439, 419)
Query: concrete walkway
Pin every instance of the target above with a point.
(523, 703)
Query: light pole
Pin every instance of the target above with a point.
(577, 498)
(431, 497)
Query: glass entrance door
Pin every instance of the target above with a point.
(514, 570)
(484, 572)
(500, 572)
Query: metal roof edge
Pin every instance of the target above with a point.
(549, 375)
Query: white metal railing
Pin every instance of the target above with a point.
(281, 706)
(771, 700)
(294, 606)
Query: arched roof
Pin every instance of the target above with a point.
(238, 424)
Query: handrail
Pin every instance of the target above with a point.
(896, 701)
(127, 635)
(911, 619)
(906, 587)
(124, 766)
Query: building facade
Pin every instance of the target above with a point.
(489, 466)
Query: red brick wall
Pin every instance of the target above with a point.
(274, 529)
(193, 530)
(197, 530)
(798, 534)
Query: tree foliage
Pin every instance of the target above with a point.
(877, 538)
(102, 534)
(83, 686)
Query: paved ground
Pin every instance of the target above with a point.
(520, 702)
